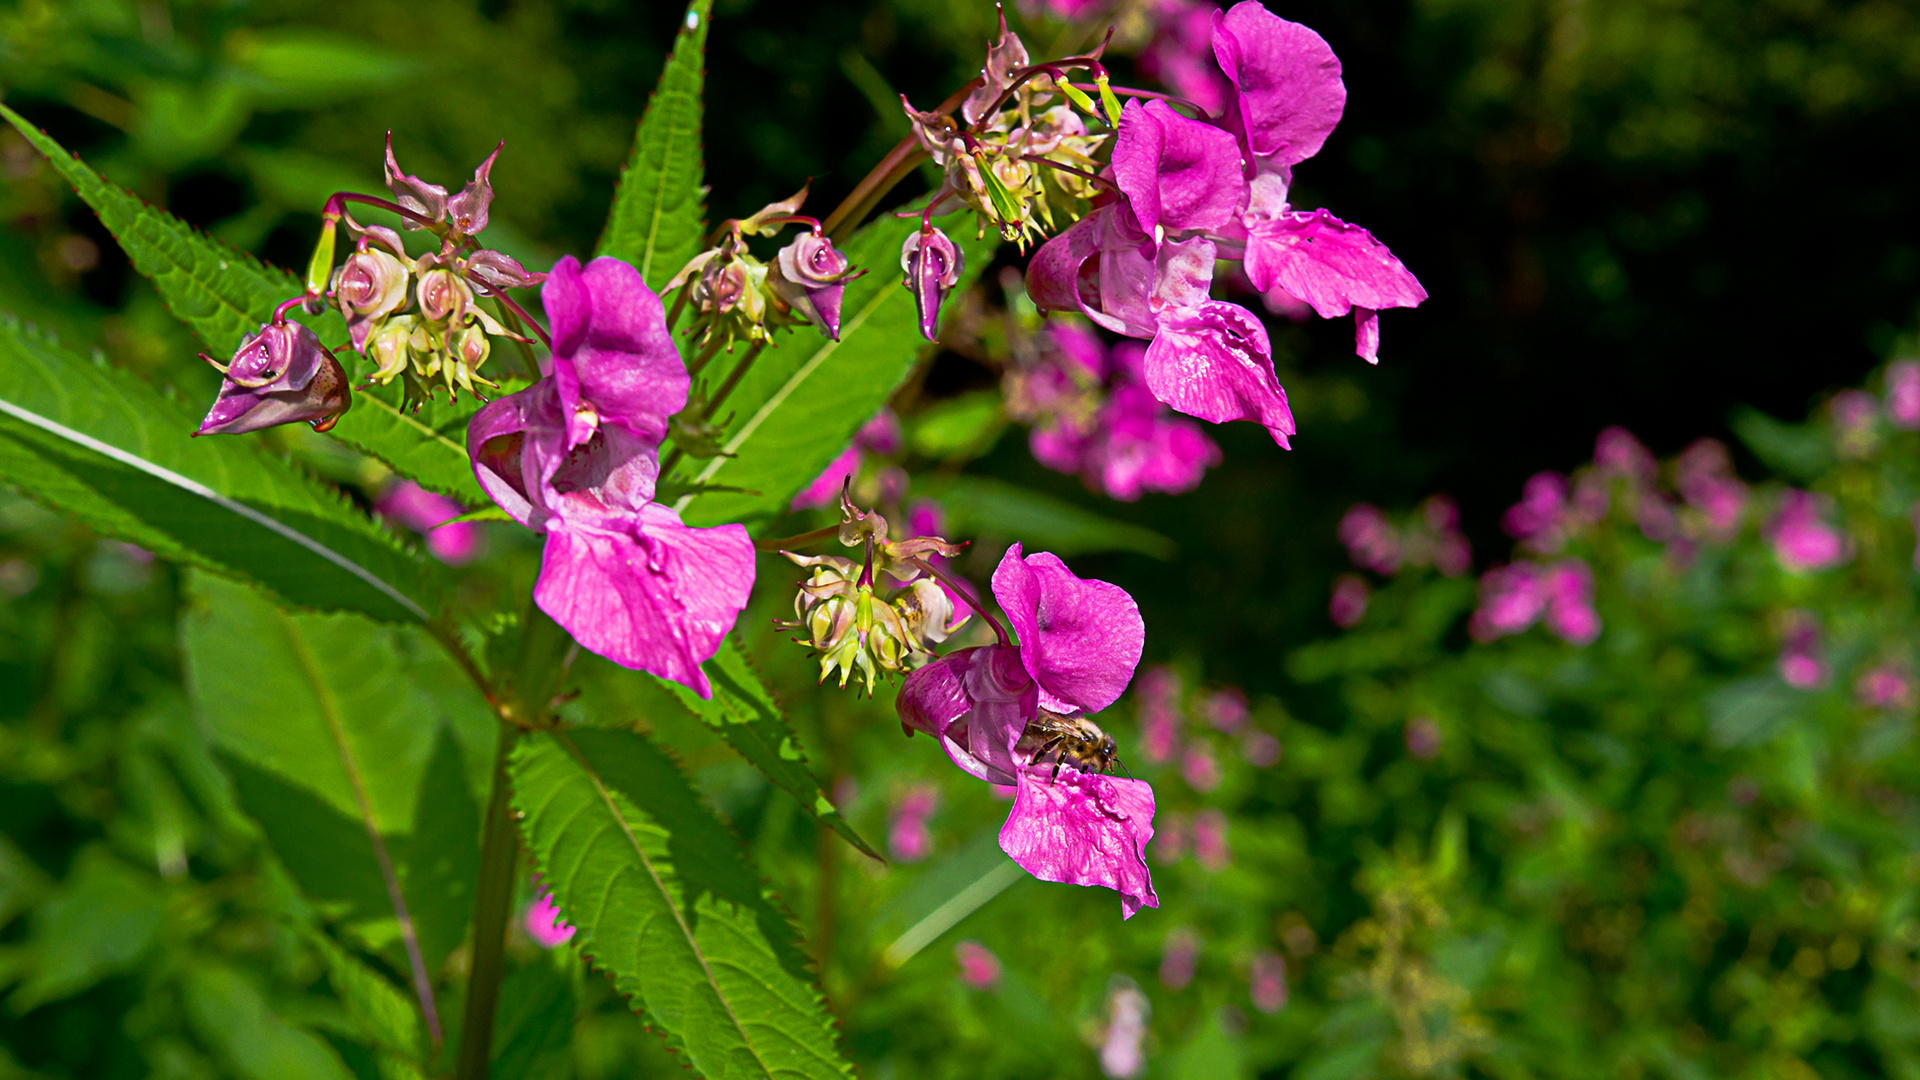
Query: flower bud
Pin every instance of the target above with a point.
(444, 298)
(502, 271)
(932, 263)
(389, 348)
(811, 277)
(370, 286)
(278, 376)
(427, 200)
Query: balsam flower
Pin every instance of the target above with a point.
(1078, 644)
(1802, 540)
(575, 456)
(281, 375)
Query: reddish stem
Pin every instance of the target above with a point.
(507, 302)
(959, 589)
(336, 201)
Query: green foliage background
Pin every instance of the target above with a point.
(1647, 857)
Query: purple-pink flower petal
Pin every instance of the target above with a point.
(658, 597)
(1286, 81)
(977, 703)
(613, 360)
(1079, 638)
(1084, 829)
(1331, 265)
(1178, 174)
(1213, 361)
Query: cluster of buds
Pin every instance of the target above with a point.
(735, 296)
(844, 609)
(1020, 157)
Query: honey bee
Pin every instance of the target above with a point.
(1071, 739)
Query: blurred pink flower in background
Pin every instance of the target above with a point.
(1261, 749)
(1372, 542)
(1888, 686)
(1856, 415)
(979, 968)
(1348, 605)
(908, 838)
(1267, 982)
(1197, 765)
(1538, 520)
(1570, 613)
(1226, 709)
(1423, 737)
(1210, 839)
(1127, 1011)
(544, 925)
(1179, 958)
(1514, 597)
(1159, 695)
(1802, 541)
(1617, 453)
(1704, 474)
(1903, 394)
(1801, 663)
(1170, 843)
(407, 503)
(880, 435)
(1180, 56)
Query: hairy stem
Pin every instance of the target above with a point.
(492, 901)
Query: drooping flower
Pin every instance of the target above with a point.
(413, 506)
(812, 277)
(575, 456)
(932, 263)
(1078, 643)
(281, 375)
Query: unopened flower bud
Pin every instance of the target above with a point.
(444, 298)
(427, 200)
(932, 263)
(470, 347)
(502, 271)
(370, 286)
(389, 348)
(278, 376)
(811, 277)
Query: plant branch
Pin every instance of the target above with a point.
(895, 167)
(492, 902)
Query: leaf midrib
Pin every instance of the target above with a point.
(686, 931)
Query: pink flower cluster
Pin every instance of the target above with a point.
(1514, 597)
(1373, 542)
(1903, 394)
(1803, 662)
(1094, 416)
(1802, 540)
(407, 503)
(1191, 191)
(878, 436)
(1161, 702)
(1887, 686)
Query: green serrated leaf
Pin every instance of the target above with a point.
(225, 295)
(667, 904)
(800, 404)
(101, 445)
(976, 505)
(337, 731)
(745, 714)
(658, 219)
(384, 1010)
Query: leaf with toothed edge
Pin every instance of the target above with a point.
(666, 903)
(658, 220)
(744, 712)
(97, 443)
(225, 295)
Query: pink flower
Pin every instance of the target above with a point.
(1260, 749)
(1569, 590)
(1179, 957)
(1538, 520)
(1855, 415)
(1617, 453)
(1452, 554)
(1078, 644)
(908, 839)
(1210, 839)
(1170, 843)
(544, 925)
(575, 456)
(1198, 768)
(1903, 394)
(1159, 714)
(1226, 709)
(1704, 474)
(1801, 663)
(1423, 738)
(1511, 599)
(979, 968)
(1372, 543)
(1180, 55)
(880, 435)
(1888, 686)
(1127, 1010)
(1801, 540)
(1267, 982)
(407, 503)
(1138, 447)
(1348, 604)
(281, 375)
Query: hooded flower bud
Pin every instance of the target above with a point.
(370, 286)
(470, 346)
(932, 263)
(278, 376)
(469, 208)
(501, 271)
(811, 277)
(427, 200)
(725, 287)
(389, 348)
(444, 298)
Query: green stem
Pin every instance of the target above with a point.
(492, 902)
